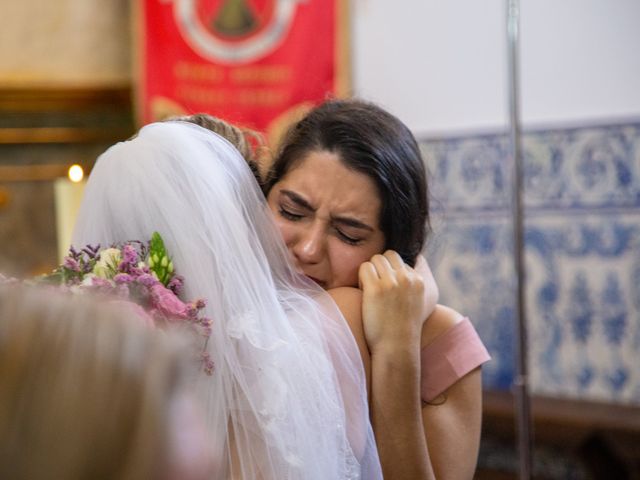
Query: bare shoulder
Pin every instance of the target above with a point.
(349, 301)
(441, 320)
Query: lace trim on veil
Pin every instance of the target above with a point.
(288, 387)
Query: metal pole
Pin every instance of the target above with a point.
(521, 381)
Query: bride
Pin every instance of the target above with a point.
(287, 399)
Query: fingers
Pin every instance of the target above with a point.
(383, 267)
(367, 275)
(388, 269)
(422, 268)
(377, 272)
(395, 260)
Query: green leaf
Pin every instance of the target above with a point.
(159, 259)
(55, 278)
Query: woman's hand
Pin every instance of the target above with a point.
(431, 291)
(393, 312)
(393, 306)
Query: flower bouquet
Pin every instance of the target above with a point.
(137, 272)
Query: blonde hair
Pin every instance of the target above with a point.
(84, 389)
(249, 143)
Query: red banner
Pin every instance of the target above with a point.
(252, 62)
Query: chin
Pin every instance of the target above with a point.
(322, 283)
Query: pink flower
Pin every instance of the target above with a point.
(207, 363)
(129, 256)
(71, 264)
(97, 284)
(134, 310)
(175, 284)
(119, 274)
(122, 278)
(148, 280)
(167, 303)
(139, 270)
(192, 311)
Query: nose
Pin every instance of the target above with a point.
(310, 245)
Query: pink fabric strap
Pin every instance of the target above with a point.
(450, 357)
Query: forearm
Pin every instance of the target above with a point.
(396, 411)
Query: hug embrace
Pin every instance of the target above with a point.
(332, 357)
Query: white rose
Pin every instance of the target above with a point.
(108, 263)
(87, 281)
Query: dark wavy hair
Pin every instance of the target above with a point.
(371, 141)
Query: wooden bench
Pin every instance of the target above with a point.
(599, 440)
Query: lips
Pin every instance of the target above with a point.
(301, 269)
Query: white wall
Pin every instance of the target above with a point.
(441, 65)
(580, 59)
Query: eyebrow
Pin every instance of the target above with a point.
(348, 221)
(297, 199)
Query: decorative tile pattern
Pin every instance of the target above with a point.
(582, 253)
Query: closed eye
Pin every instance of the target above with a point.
(294, 217)
(348, 239)
(352, 225)
(290, 204)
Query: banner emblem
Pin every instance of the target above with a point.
(234, 31)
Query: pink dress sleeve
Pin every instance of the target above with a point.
(450, 357)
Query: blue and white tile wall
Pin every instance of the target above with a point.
(582, 253)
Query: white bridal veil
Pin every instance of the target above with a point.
(287, 398)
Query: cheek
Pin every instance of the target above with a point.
(345, 262)
(284, 227)
(287, 231)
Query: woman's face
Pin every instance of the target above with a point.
(329, 218)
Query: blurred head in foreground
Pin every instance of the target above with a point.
(88, 391)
